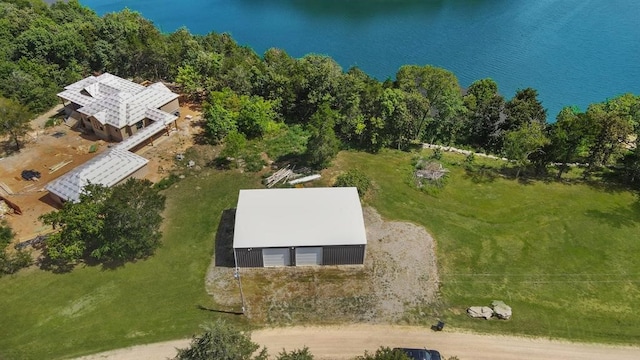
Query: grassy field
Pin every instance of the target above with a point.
(49, 316)
(563, 256)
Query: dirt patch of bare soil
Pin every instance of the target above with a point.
(398, 282)
(54, 151)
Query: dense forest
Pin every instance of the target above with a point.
(248, 96)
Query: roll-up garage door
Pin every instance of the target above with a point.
(308, 256)
(276, 257)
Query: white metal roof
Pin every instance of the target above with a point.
(299, 217)
(106, 169)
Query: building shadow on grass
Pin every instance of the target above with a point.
(224, 239)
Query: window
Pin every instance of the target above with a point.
(139, 125)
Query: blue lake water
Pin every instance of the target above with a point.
(574, 52)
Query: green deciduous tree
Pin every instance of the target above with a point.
(485, 114)
(220, 113)
(131, 222)
(608, 132)
(189, 80)
(567, 136)
(14, 121)
(519, 144)
(256, 116)
(234, 145)
(399, 125)
(107, 224)
(10, 262)
(80, 225)
(440, 87)
(226, 111)
(220, 341)
(323, 145)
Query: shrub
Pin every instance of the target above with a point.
(10, 263)
(166, 182)
(437, 154)
(356, 179)
(253, 162)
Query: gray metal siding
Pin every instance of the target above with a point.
(331, 255)
(343, 255)
(249, 257)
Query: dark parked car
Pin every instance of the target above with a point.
(420, 354)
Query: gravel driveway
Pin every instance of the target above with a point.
(399, 281)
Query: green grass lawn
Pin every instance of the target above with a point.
(563, 256)
(49, 316)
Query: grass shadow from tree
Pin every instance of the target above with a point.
(481, 174)
(618, 217)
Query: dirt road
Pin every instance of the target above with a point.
(346, 342)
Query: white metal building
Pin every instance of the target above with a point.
(297, 227)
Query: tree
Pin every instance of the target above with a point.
(323, 145)
(524, 108)
(256, 116)
(521, 143)
(79, 225)
(608, 132)
(485, 114)
(567, 137)
(107, 224)
(317, 80)
(14, 120)
(234, 145)
(354, 178)
(399, 125)
(300, 354)
(440, 87)
(11, 262)
(189, 80)
(385, 353)
(220, 113)
(221, 341)
(132, 219)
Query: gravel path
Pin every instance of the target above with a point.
(398, 281)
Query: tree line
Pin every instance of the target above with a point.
(45, 47)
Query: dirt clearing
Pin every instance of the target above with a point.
(347, 342)
(56, 150)
(399, 281)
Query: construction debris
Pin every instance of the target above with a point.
(304, 179)
(59, 166)
(5, 203)
(281, 175)
(5, 189)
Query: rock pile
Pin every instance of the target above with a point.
(498, 309)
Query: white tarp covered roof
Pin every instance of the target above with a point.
(116, 101)
(106, 169)
(299, 217)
